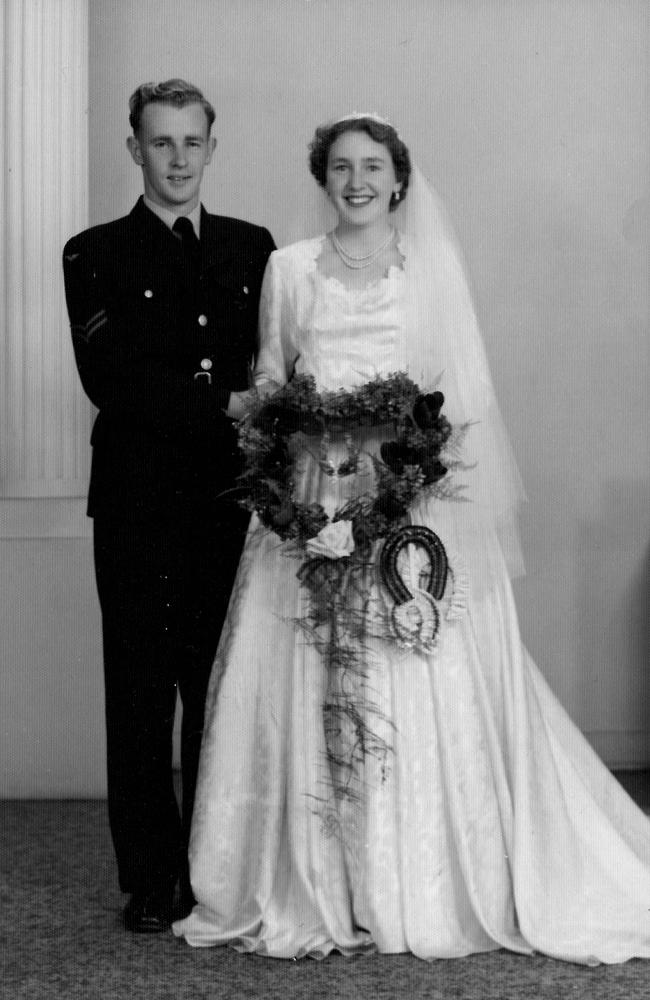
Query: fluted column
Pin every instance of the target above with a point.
(44, 416)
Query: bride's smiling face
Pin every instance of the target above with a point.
(360, 179)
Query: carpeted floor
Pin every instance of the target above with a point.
(61, 937)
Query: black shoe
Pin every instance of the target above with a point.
(148, 912)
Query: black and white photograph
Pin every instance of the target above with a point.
(325, 500)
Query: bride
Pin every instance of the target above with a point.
(487, 821)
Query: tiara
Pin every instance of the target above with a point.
(354, 115)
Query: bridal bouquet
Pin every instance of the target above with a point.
(343, 555)
(409, 467)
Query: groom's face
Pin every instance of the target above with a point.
(173, 147)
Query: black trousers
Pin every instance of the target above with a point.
(164, 592)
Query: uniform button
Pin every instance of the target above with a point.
(203, 320)
(148, 294)
(206, 364)
(245, 289)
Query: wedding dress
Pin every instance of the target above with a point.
(490, 824)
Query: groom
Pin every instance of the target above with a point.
(163, 309)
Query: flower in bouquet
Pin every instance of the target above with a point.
(426, 409)
(334, 541)
(280, 512)
(398, 454)
(422, 438)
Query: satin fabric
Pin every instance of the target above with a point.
(490, 824)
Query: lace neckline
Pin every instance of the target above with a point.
(394, 272)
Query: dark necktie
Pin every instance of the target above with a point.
(184, 228)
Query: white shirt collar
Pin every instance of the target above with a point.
(169, 218)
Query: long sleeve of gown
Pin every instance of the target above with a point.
(277, 352)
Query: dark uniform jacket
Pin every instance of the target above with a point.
(145, 322)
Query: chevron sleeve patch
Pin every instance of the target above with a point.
(95, 323)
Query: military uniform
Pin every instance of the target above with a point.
(161, 339)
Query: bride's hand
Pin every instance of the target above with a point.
(267, 388)
(239, 402)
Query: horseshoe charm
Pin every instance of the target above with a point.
(413, 534)
(415, 620)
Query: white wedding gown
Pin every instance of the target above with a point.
(494, 825)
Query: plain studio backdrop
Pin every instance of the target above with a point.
(531, 118)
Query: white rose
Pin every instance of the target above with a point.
(333, 541)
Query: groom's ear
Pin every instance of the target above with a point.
(133, 147)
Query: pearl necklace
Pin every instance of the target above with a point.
(366, 259)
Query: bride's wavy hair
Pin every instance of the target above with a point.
(326, 135)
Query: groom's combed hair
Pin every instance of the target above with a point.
(326, 135)
(178, 93)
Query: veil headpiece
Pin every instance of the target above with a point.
(355, 115)
(443, 346)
